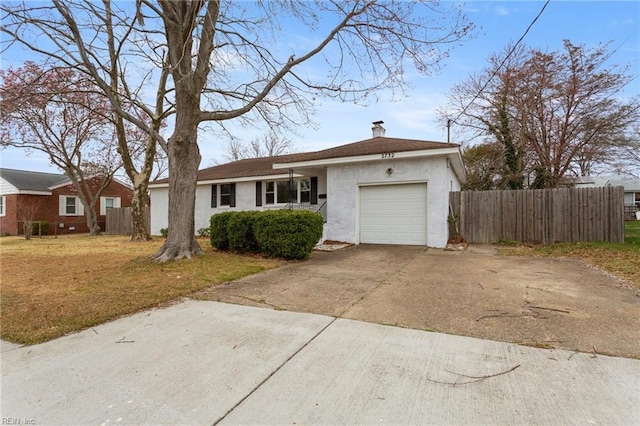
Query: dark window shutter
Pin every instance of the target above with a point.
(233, 195)
(214, 196)
(314, 190)
(258, 193)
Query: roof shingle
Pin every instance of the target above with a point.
(378, 145)
(264, 166)
(32, 181)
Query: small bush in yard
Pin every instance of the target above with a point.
(218, 230)
(240, 232)
(290, 234)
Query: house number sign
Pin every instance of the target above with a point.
(387, 155)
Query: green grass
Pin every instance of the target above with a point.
(632, 233)
(621, 260)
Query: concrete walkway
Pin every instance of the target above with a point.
(201, 362)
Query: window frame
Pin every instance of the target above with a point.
(225, 194)
(63, 205)
(218, 195)
(307, 190)
(273, 191)
(103, 204)
(270, 194)
(3, 205)
(68, 198)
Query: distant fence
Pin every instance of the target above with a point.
(119, 220)
(540, 216)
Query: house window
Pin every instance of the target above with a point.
(280, 192)
(637, 199)
(225, 194)
(270, 192)
(70, 206)
(108, 203)
(3, 201)
(283, 192)
(305, 191)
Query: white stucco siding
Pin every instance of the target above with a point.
(343, 182)
(454, 183)
(245, 200)
(159, 200)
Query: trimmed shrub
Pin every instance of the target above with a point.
(164, 232)
(240, 231)
(218, 230)
(290, 234)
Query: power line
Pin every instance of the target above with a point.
(501, 64)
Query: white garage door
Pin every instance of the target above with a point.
(393, 214)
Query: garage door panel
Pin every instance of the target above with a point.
(393, 214)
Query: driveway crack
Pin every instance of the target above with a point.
(285, 362)
(380, 283)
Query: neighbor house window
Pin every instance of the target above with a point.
(70, 206)
(3, 201)
(108, 203)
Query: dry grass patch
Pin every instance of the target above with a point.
(621, 260)
(51, 287)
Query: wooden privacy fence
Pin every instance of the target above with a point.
(119, 220)
(539, 216)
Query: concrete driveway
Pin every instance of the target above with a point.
(541, 302)
(203, 362)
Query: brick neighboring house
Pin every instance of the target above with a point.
(56, 201)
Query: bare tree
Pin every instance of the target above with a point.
(27, 208)
(625, 161)
(110, 45)
(268, 145)
(47, 110)
(374, 38)
(564, 110)
(227, 61)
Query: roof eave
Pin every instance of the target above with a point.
(231, 180)
(26, 192)
(369, 157)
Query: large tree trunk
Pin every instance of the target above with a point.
(184, 159)
(92, 219)
(139, 231)
(181, 20)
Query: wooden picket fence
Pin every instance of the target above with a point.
(541, 216)
(119, 220)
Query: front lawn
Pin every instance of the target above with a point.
(54, 286)
(621, 260)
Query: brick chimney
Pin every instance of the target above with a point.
(377, 129)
